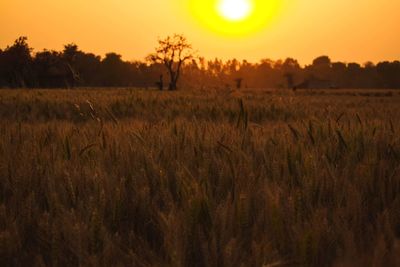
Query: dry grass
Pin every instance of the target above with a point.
(257, 178)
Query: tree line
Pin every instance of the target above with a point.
(71, 67)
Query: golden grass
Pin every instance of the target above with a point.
(146, 178)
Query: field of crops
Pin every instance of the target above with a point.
(128, 177)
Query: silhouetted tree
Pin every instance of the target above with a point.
(321, 68)
(114, 70)
(389, 74)
(15, 63)
(174, 56)
(2, 69)
(70, 55)
(54, 69)
(290, 80)
(290, 68)
(88, 67)
(290, 65)
(160, 83)
(338, 73)
(322, 61)
(267, 74)
(173, 51)
(49, 71)
(247, 72)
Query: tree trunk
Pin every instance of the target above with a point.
(173, 82)
(172, 86)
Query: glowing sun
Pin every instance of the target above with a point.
(235, 10)
(234, 17)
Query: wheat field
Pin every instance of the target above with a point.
(127, 177)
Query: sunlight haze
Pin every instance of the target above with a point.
(345, 30)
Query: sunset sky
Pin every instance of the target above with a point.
(357, 30)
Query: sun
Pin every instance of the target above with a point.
(235, 10)
(234, 17)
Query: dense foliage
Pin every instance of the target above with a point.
(19, 67)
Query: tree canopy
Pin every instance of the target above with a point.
(175, 58)
(173, 52)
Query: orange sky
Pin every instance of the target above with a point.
(346, 30)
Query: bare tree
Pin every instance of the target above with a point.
(172, 51)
